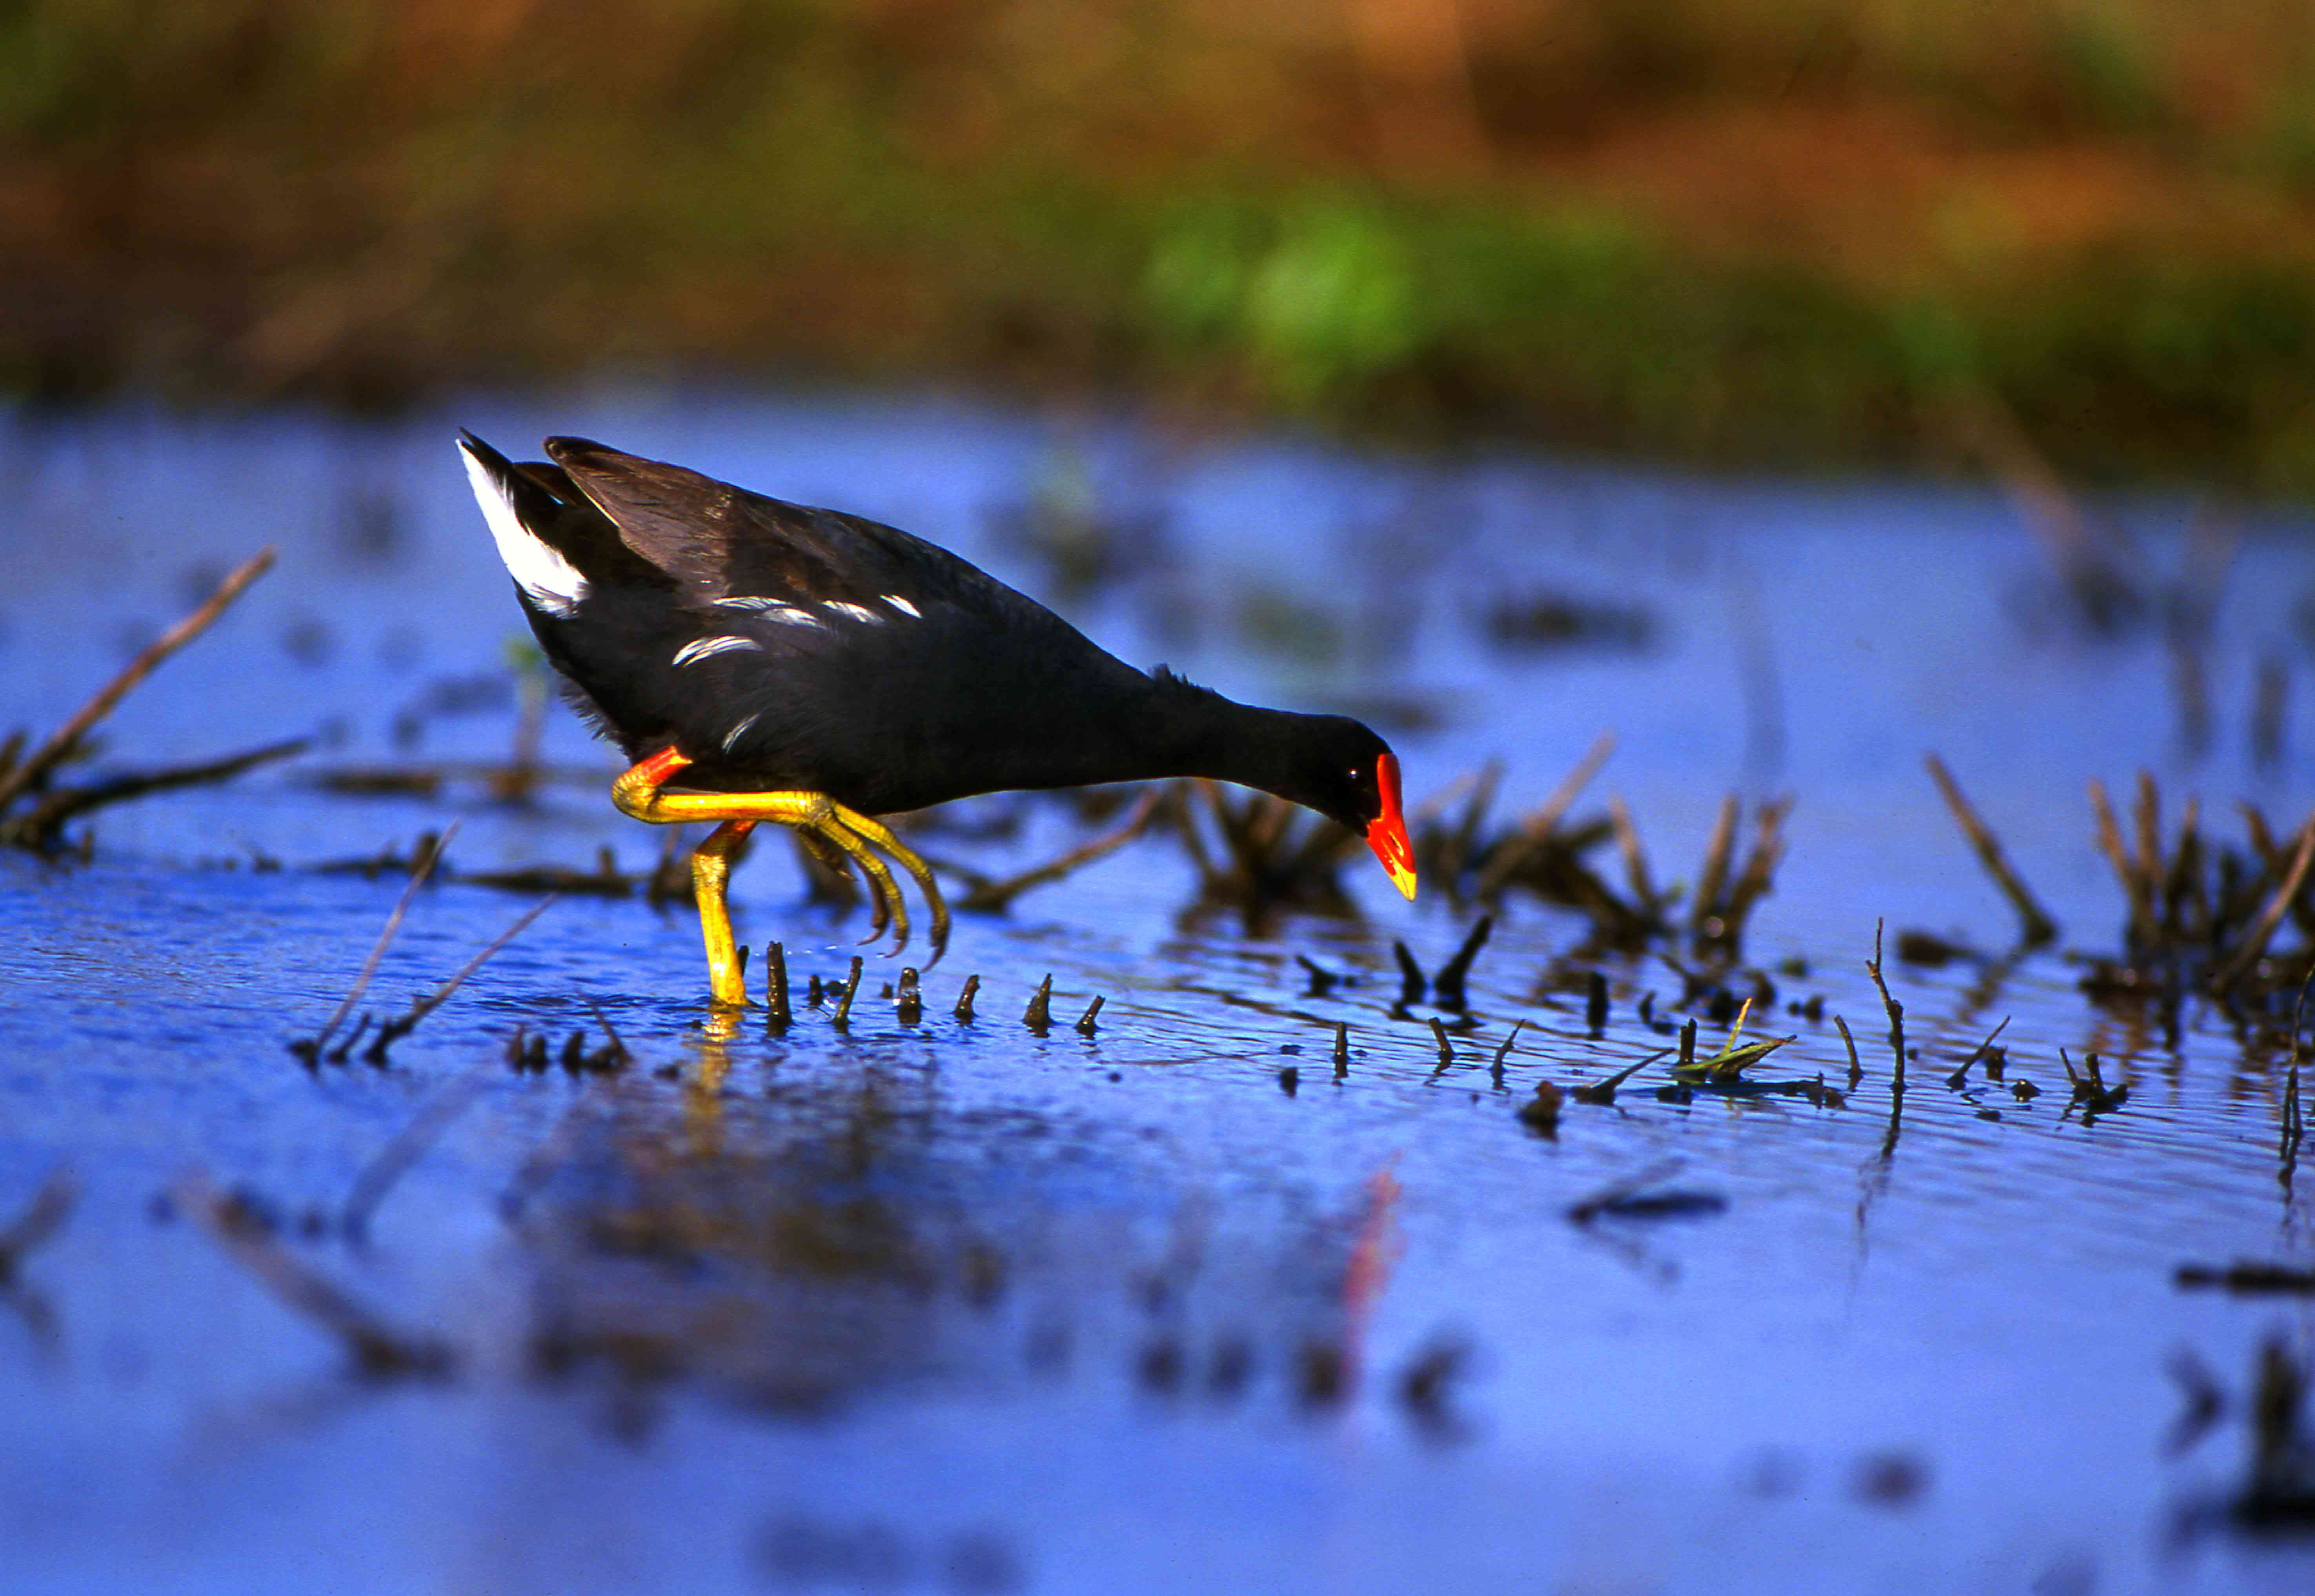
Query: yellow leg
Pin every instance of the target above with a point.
(711, 868)
(638, 793)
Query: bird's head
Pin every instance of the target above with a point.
(1350, 775)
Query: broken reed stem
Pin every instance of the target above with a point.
(994, 896)
(2182, 882)
(618, 1042)
(1604, 1089)
(1760, 872)
(1086, 1026)
(311, 1049)
(2255, 940)
(1986, 1047)
(776, 986)
(2146, 819)
(1341, 1049)
(2274, 859)
(1504, 1051)
(2142, 929)
(1456, 849)
(66, 737)
(1449, 982)
(1439, 1035)
(1896, 1012)
(2035, 927)
(964, 1000)
(37, 824)
(1536, 830)
(395, 1030)
(843, 1016)
(1636, 859)
(1714, 876)
(1412, 983)
(1856, 1069)
(1038, 1015)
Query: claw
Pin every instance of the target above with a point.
(880, 836)
(887, 891)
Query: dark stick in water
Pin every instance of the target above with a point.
(396, 1029)
(1896, 1011)
(311, 1048)
(2035, 927)
(1449, 984)
(1856, 1069)
(776, 987)
(843, 1017)
(66, 737)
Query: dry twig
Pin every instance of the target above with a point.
(2035, 927)
(65, 738)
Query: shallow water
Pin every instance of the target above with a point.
(963, 1307)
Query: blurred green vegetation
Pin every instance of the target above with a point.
(1801, 231)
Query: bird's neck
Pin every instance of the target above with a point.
(1183, 733)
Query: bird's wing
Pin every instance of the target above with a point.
(730, 549)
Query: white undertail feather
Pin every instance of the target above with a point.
(551, 581)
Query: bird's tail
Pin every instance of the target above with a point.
(524, 518)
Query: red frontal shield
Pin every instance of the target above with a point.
(1388, 835)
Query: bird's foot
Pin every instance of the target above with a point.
(827, 827)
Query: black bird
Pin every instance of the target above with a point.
(813, 669)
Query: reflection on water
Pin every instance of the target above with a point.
(801, 1245)
(1190, 1298)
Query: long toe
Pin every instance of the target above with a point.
(881, 913)
(940, 919)
(887, 891)
(880, 836)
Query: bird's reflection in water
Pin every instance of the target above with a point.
(821, 1238)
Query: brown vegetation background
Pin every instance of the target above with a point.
(1855, 230)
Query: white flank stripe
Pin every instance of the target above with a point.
(857, 612)
(899, 603)
(740, 730)
(708, 647)
(772, 609)
(551, 581)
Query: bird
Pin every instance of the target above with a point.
(759, 660)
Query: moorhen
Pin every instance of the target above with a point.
(813, 669)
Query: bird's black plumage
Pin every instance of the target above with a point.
(783, 648)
